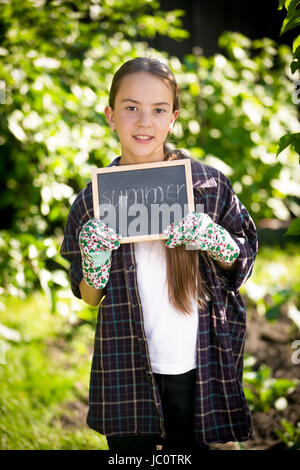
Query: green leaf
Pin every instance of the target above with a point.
(286, 140)
(282, 386)
(273, 313)
(296, 44)
(288, 427)
(291, 5)
(296, 146)
(250, 396)
(295, 65)
(283, 295)
(264, 372)
(290, 22)
(266, 398)
(282, 436)
(294, 228)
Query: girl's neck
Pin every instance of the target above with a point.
(127, 160)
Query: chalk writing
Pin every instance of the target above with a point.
(156, 195)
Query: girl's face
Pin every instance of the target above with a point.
(142, 116)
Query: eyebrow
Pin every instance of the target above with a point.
(153, 104)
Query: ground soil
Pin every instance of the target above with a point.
(271, 344)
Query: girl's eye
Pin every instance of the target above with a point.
(159, 110)
(131, 108)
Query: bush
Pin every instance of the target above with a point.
(58, 60)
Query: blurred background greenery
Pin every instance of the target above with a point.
(57, 62)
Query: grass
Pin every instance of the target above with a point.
(44, 380)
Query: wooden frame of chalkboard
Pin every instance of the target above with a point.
(160, 192)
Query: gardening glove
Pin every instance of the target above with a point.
(199, 230)
(96, 242)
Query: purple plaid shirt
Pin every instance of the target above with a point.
(124, 398)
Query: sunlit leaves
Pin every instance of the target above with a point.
(292, 19)
(289, 139)
(294, 227)
(296, 43)
(245, 102)
(58, 61)
(263, 391)
(295, 65)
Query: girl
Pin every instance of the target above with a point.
(168, 353)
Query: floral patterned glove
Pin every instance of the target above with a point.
(199, 230)
(96, 242)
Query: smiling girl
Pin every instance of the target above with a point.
(143, 113)
(168, 353)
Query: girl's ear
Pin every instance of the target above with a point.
(174, 117)
(110, 117)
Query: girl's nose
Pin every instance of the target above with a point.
(145, 120)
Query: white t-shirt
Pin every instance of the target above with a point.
(171, 335)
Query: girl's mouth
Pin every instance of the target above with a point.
(144, 139)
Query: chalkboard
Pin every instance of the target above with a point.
(140, 201)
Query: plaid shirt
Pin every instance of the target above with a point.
(124, 398)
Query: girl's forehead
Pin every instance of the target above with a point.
(144, 84)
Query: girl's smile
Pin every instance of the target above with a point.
(143, 139)
(142, 116)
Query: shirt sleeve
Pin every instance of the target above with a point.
(235, 218)
(80, 212)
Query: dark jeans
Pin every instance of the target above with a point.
(178, 398)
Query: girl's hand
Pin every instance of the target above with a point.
(199, 230)
(96, 242)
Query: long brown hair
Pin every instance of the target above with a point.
(183, 274)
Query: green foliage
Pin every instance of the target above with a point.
(240, 104)
(262, 391)
(289, 139)
(57, 62)
(44, 377)
(274, 287)
(290, 435)
(294, 227)
(292, 20)
(279, 297)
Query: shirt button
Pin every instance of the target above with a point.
(131, 267)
